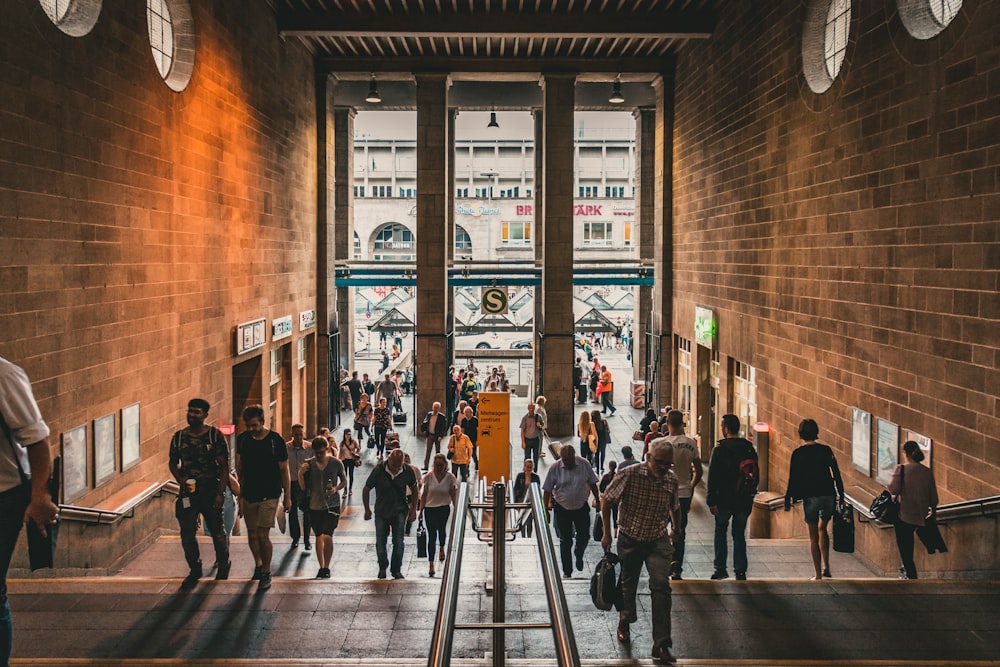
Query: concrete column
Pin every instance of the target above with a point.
(449, 190)
(663, 237)
(643, 237)
(538, 225)
(343, 223)
(433, 146)
(556, 351)
(326, 302)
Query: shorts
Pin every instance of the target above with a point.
(260, 515)
(323, 522)
(817, 507)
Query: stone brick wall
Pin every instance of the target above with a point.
(140, 225)
(848, 242)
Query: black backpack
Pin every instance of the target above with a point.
(605, 586)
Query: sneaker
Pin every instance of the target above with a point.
(661, 655)
(256, 573)
(398, 575)
(579, 563)
(319, 573)
(720, 574)
(676, 576)
(308, 547)
(295, 544)
(381, 573)
(741, 576)
(826, 573)
(265, 581)
(326, 573)
(567, 575)
(223, 572)
(623, 633)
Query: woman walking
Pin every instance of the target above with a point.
(349, 448)
(603, 432)
(522, 482)
(382, 420)
(363, 418)
(439, 493)
(913, 484)
(323, 477)
(588, 436)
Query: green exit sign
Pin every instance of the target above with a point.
(704, 327)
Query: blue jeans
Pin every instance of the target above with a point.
(656, 556)
(739, 516)
(679, 541)
(395, 523)
(12, 506)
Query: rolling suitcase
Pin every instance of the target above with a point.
(399, 418)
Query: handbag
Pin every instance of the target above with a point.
(598, 527)
(41, 548)
(885, 508)
(421, 539)
(843, 528)
(638, 435)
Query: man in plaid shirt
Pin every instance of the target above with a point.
(648, 509)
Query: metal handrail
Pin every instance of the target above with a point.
(966, 509)
(95, 516)
(444, 624)
(562, 628)
(441, 641)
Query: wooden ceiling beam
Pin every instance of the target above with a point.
(669, 24)
(484, 65)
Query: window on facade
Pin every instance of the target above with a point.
(515, 234)
(359, 191)
(74, 17)
(394, 242)
(463, 243)
(596, 234)
(924, 19)
(171, 39)
(824, 42)
(744, 395)
(684, 375)
(628, 234)
(357, 246)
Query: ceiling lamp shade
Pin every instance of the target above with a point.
(373, 97)
(616, 93)
(493, 120)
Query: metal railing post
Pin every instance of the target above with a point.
(441, 642)
(499, 571)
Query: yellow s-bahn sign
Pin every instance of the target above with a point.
(494, 301)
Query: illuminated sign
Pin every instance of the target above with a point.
(704, 327)
(494, 301)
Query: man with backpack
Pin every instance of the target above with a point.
(733, 475)
(649, 521)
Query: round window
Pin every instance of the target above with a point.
(924, 19)
(824, 42)
(74, 17)
(171, 39)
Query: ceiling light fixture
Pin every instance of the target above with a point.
(616, 93)
(373, 97)
(493, 118)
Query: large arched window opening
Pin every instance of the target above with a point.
(463, 244)
(394, 242)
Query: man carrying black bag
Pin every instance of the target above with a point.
(649, 518)
(25, 464)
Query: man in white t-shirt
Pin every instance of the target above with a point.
(687, 467)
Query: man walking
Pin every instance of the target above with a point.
(199, 461)
(732, 484)
(393, 482)
(298, 452)
(434, 427)
(582, 380)
(355, 388)
(814, 476)
(262, 467)
(25, 466)
(648, 509)
(531, 435)
(688, 468)
(567, 485)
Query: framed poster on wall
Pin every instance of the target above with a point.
(74, 463)
(886, 451)
(105, 450)
(861, 441)
(925, 445)
(130, 436)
